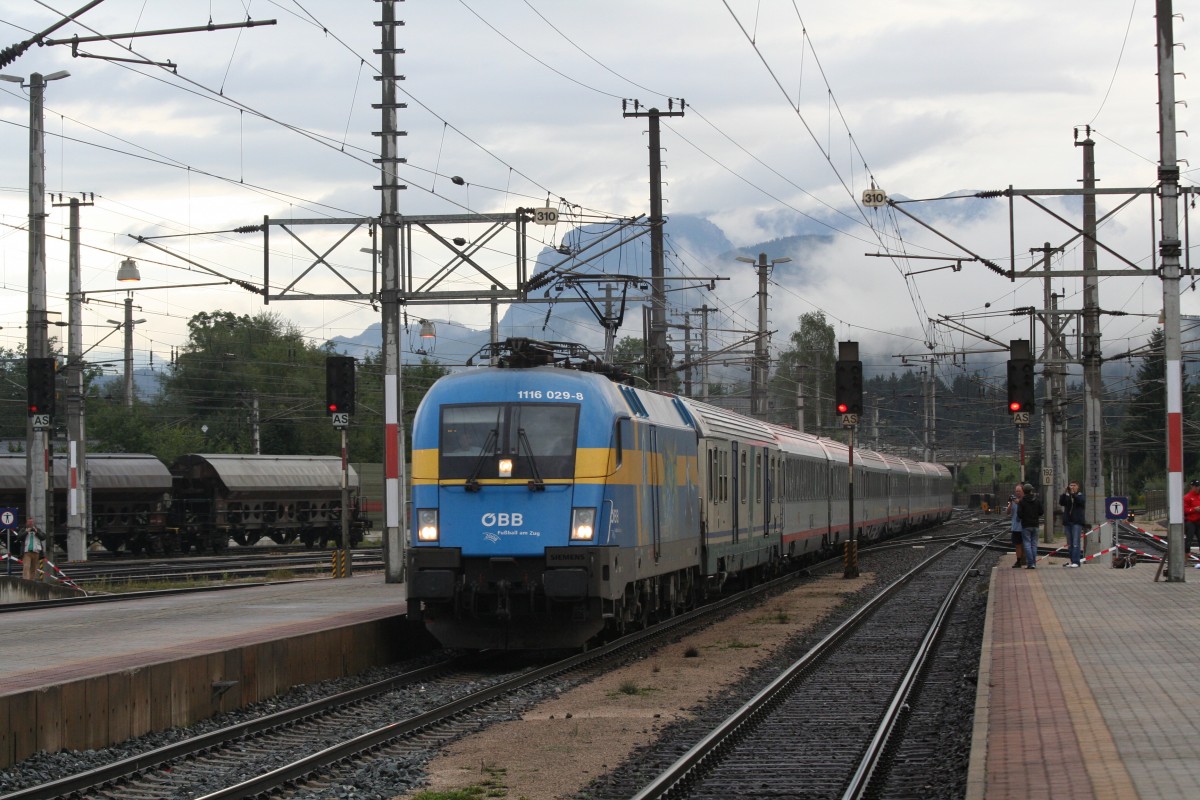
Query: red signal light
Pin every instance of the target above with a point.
(333, 407)
(1014, 406)
(842, 408)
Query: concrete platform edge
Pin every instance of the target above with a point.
(977, 766)
(105, 709)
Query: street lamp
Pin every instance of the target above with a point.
(128, 273)
(758, 377)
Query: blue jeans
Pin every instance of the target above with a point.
(1029, 540)
(1074, 533)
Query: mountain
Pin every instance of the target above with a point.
(696, 249)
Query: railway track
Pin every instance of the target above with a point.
(326, 741)
(372, 731)
(824, 727)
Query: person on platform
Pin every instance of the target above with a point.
(1191, 516)
(1072, 502)
(1029, 511)
(1014, 504)
(32, 543)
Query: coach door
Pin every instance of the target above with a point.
(651, 469)
(737, 476)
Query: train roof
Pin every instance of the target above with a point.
(107, 471)
(716, 422)
(250, 473)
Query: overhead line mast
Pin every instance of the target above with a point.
(659, 354)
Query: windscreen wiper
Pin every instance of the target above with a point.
(472, 484)
(537, 484)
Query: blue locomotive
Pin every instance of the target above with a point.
(551, 502)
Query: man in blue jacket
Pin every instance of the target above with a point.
(1072, 502)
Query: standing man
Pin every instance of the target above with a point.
(1029, 511)
(1072, 502)
(32, 547)
(1014, 505)
(1191, 517)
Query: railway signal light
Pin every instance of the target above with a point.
(339, 385)
(1020, 378)
(847, 386)
(40, 386)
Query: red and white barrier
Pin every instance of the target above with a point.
(58, 574)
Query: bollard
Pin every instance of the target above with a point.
(850, 559)
(341, 563)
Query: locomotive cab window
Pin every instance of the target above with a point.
(538, 438)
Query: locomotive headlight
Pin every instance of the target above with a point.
(505, 467)
(427, 525)
(583, 524)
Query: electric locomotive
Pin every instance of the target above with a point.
(547, 502)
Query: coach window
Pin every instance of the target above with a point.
(624, 436)
(742, 478)
(712, 475)
(758, 474)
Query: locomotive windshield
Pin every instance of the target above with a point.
(539, 436)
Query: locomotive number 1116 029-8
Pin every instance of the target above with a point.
(548, 394)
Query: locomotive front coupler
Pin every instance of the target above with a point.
(503, 608)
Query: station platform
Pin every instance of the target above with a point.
(1087, 684)
(85, 676)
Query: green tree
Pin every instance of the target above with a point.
(12, 395)
(630, 355)
(807, 365)
(1142, 431)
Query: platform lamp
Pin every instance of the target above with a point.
(128, 273)
(428, 336)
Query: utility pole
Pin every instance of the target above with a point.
(255, 427)
(1169, 250)
(658, 357)
(758, 373)
(687, 353)
(389, 224)
(800, 407)
(1093, 385)
(1053, 451)
(37, 340)
(78, 501)
(704, 311)
(129, 352)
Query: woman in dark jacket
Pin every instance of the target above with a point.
(1029, 512)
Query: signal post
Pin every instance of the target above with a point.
(847, 399)
(339, 405)
(1020, 386)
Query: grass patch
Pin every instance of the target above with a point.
(107, 586)
(691, 652)
(776, 617)
(280, 574)
(631, 689)
(737, 644)
(492, 785)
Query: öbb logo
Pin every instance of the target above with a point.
(489, 519)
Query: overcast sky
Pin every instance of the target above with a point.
(793, 108)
